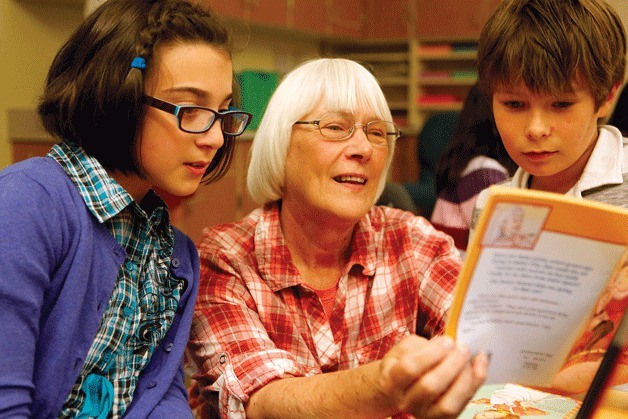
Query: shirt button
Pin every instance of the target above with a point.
(223, 358)
(169, 347)
(175, 262)
(151, 384)
(130, 266)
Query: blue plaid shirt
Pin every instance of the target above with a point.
(145, 299)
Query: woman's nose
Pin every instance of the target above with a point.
(359, 143)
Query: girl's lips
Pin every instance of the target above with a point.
(196, 169)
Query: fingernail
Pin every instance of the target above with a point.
(448, 342)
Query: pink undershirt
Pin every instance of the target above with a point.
(327, 297)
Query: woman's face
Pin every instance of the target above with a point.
(337, 179)
(183, 74)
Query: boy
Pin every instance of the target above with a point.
(551, 69)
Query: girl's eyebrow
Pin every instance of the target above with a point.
(198, 93)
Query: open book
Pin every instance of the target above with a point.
(542, 291)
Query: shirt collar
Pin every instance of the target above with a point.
(271, 250)
(605, 164)
(103, 196)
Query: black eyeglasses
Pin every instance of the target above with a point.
(341, 127)
(197, 119)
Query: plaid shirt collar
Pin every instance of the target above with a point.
(102, 194)
(272, 251)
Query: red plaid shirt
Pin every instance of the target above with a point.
(256, 321)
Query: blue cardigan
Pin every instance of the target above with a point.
(58, 268)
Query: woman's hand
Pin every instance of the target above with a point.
(431, 378)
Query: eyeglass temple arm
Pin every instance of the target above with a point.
(160, 104)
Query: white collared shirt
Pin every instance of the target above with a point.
(607, 164)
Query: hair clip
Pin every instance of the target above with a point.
(138, 62)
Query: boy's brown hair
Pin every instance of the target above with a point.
(551, 44)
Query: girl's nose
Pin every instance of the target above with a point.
(213, 138)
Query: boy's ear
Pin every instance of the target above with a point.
(607, 105)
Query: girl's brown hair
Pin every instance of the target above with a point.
(93, 97)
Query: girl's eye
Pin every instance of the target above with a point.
(192, 111)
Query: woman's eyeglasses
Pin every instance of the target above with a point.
(337, 127)
(197, 119)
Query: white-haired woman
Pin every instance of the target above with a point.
(312, 305)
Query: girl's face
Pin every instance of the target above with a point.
(183, 74)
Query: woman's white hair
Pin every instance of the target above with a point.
(340, 85)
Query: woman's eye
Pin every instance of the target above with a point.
(376, 133)
(333, 127)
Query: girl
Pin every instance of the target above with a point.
(97, 288)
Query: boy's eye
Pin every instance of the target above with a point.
(513, 104)
(562, 104)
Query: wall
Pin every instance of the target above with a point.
(33, 30)
(31, 34)
(621, 6)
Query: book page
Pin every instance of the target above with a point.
(530, 284)
(527, 293)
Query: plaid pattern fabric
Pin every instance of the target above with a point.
(255, 319)
(145, 299)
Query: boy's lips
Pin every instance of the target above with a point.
(538, 155)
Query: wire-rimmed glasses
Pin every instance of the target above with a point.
(198, 119)
(337, 127)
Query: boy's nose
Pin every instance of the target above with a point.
(537, 127)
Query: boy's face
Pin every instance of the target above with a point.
(551, 137)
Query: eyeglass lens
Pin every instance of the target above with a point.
(339, 127)
(195, 119)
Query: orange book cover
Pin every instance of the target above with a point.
(542, 291)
